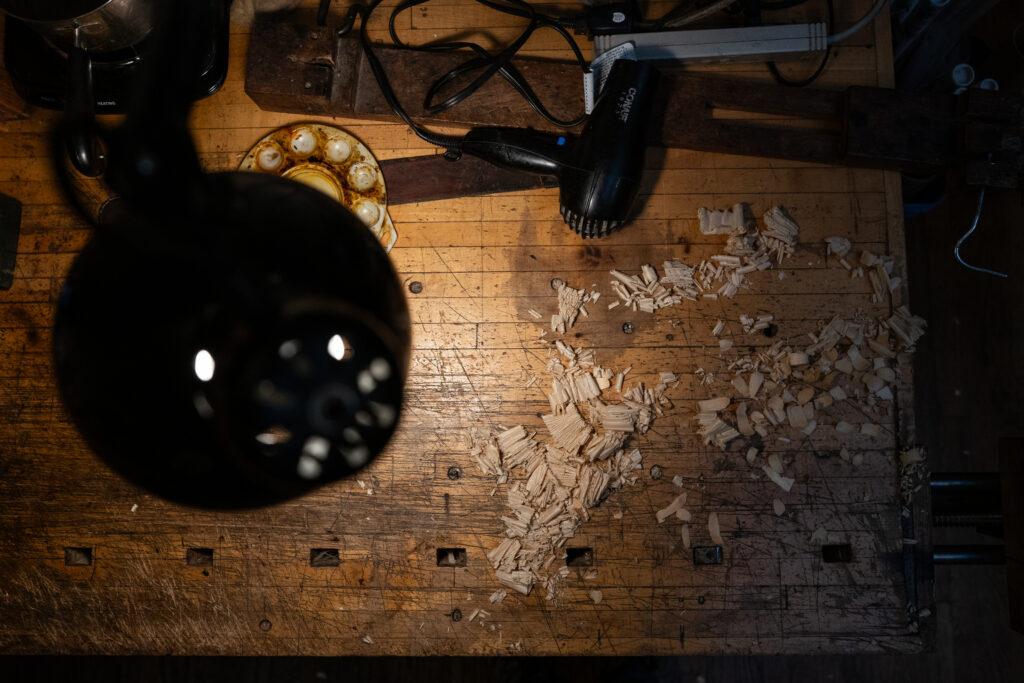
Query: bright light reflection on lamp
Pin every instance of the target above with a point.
(204, 365)
(336, 347)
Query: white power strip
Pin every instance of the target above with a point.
(747, 44)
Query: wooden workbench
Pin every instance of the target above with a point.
(483, 262)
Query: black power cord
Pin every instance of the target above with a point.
(774, 69)
(483, 63)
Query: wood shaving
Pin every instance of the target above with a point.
(714, 530)
(571, 303)
(734, 221)
(552, 485)
(784, 483)
(913, 472)
(840, 246)
(595, 597)
(669, 510)
(497, 596)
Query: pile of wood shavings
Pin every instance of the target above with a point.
(571, 304)
(584, 459)
(788, 387)
(747, 250)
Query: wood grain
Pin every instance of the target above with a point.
(483, 262)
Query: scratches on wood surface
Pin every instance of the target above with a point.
(482, 263)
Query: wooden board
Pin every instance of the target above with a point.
(482, 262)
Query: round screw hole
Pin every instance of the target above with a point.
(627, 327)
(415, 286)
(456, 614)
(770, 331)
(700, 599)
(454, 472)
(265, 625)
(656, 472)
(557, 283)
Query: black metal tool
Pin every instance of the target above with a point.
(84, 55)
(10, 230)
(224, 340)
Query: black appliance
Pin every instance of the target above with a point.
(39, 69)
(225, 340)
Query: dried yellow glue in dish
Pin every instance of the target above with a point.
(331, 161)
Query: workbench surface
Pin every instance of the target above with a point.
(483, 262)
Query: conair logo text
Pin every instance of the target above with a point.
(624, 104)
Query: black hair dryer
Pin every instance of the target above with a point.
(227, 340)
(599, 172)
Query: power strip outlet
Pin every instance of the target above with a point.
(747, 44)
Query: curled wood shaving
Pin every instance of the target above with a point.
(840, 246)
(671, 508)
(785, 483)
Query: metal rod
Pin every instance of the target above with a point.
(965, 493)
(969, 554)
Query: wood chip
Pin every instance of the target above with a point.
(684, 532)
(755, 383)
(869, 429)
(785, 483)
(714, 530)
(595, 597)
(778, 507)
(670, 509)
(713, 405)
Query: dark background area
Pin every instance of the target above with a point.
(968, 381)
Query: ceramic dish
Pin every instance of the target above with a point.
(332, 161)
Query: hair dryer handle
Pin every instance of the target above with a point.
(519, 149)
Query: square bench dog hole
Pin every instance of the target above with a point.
(579, 557)
(77, 557)
(199, 557)
(840, 552)
(324, 557)
(451, 557)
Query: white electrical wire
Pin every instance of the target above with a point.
(864, 21)
(966, 235)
